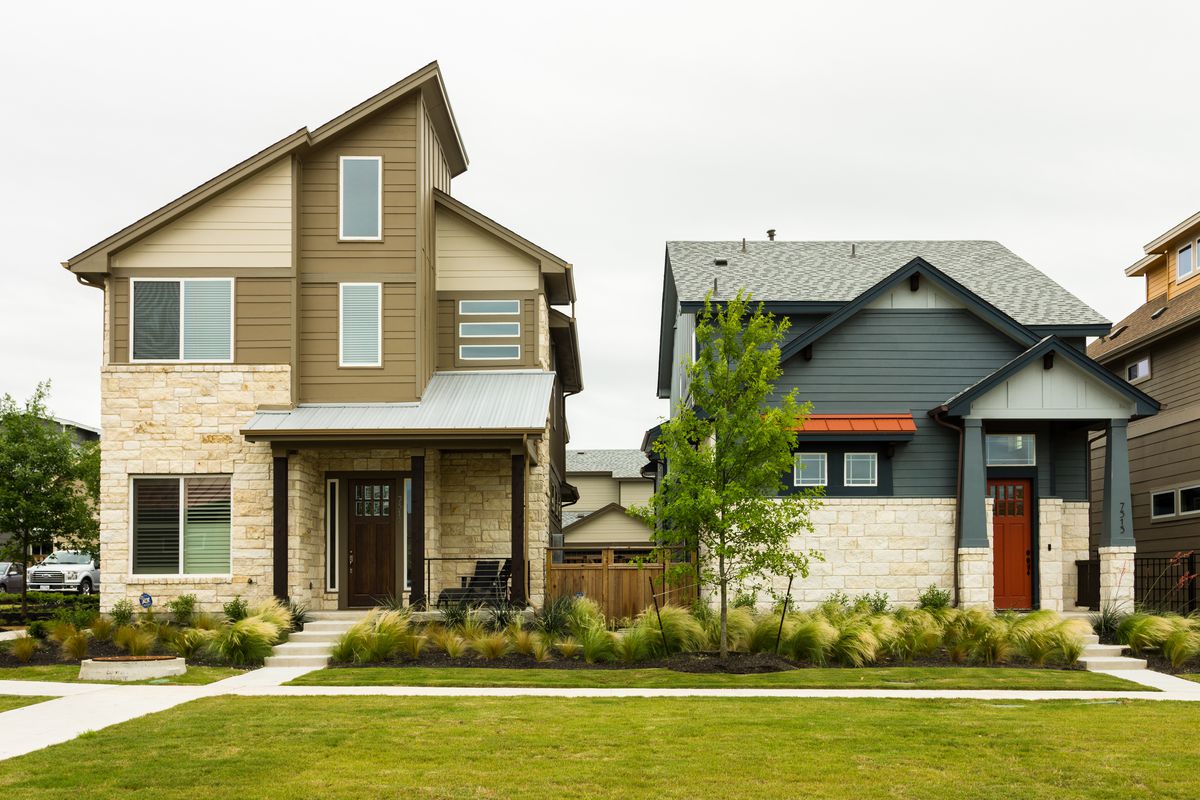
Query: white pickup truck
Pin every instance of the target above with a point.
(65, 571)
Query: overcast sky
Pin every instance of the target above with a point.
(1067, 131)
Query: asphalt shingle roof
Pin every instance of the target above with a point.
(1183, 310)
(827, 272)
(621, 463)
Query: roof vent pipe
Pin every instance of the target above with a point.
(771, 234)
(743, 244)
(714, 287)
(852, 250)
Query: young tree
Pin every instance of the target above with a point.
(49, 486)
(726, 450)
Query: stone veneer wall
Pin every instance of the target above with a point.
(537, 520)
(181, 420)
(976, 570)
(1075, 533)
(1116, 577)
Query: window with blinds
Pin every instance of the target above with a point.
(182, 320)
(182, 526)
(361, 315)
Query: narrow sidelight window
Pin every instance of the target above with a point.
(182, 320)
(360, 216)
(360, 328)
(1185, 262)
(862, 469)
(331, 536)
(182, 526)
(810, 469)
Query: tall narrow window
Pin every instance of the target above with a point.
(331, 536)
(156, 526)
(361, 341)
(206, 526)
(182, 320)
(182, 526)
(156, 320)
(361, 209)
(1185, 262)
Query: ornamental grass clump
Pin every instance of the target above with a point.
(454, 646)
(585, 613)
(672, 630)
(568, 647)
(632, 645)
(413, 644)
(491, 646)
(75, 646)
(188, 642)
(247, 641)
(375, 638)
(920, 635)
(856, 643)
(134, 640)
(1182, 645)
(102, 629)
(739, 626)
(811, 640)
(23, 648)
(554, 617)
(542, 650)
(522, 640)
(206, 622)
(274, 612)
(597, 645)
(1140, 632)
(766, 636)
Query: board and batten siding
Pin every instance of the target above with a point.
(248, 226)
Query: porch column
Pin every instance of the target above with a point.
(520, 580)
(279, 503)
(416, 536)
(974, 554)
(1116, 533)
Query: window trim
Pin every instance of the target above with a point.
(1179, 512)
(181, 360)
(150, 577)
(1191, 245)
(342, 326)
(1033, 450)
(796, 469)
(462, 335)
(333, 533)
(462, 357)
(515, 313)
(1174, 492)
(342, 237)
(846, 470)
(1140, 378)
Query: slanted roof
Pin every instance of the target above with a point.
(629, 530)
(960, 404)
(468, 402)
(1142, 326)
(427, 80)
(618, 463)
(889, 427)
(838, 272)
(565, 335)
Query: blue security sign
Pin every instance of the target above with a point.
(146, 600)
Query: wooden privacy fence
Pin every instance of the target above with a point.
(616, 578)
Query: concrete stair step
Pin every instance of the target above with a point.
(296, 661)
(312, 637)
(1103, 650)
(1091, 639)
(1107, 663)
(353, 615)
(329, 626)
(290, 648)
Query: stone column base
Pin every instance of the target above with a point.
(1116, 577)
(975, 579)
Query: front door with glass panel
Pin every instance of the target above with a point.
(371, 545)
(1012, 532)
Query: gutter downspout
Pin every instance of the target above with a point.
(938, 415)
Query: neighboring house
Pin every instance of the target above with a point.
(608, 482)
(328, 380)
(1157, 349)
(952, 401)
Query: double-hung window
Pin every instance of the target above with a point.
(181, 319)
(1185, 262)
(360, 203)
(360, 325)
(861, 469)
(811, 469)
(182, 526)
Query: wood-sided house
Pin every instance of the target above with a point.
(327, 379)
(952, 401)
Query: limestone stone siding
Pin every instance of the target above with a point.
(537, 521)
(543, 333)
(1116, 577)
(1050, 553)
(476, 512)
(181, 420)
(1075, 532)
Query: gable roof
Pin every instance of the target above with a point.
(618, 463)
(961, 402)
(916, 267)
(586, 518)
(838, 272)
(427, 80)
(1142, 327)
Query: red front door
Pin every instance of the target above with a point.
(1012, 528)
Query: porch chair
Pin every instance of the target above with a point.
(488, 586)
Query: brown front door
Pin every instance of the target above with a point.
(1012, 529)
(371, 551)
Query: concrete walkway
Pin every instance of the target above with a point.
(82, 707)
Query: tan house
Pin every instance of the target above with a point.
(608, 482)
(327, 379)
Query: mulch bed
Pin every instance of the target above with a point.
(1157, 663)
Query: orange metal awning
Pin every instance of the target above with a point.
(854, 424)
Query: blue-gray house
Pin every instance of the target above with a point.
(952, 400)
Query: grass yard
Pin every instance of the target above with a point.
(816, 678)
(8, 701)
(69, 673)
(368, 747)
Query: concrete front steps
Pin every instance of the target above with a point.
(1106, 657)
(311, 647)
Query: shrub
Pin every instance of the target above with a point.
(122, 612)
(236, 609)
(678, 632)
(1142, 631)
(102, 629)
(568, 647)
(585, 613)
(23, 648)
(933, 598)
(274, 612)
(554, 617)
(505, 616)
(133, 640)
(182, 609)
(541, 651)
(596, 644)
(873, 603)
(188, 642)
(835, 606)
(812, 640)
(745, 599)
(491, 646)
(75, 646)
(78, 616)
(703, 613)
(413, 644)
(522, 640)
(632, 645)
(246, 641)
(38, 629)
(1106, 622)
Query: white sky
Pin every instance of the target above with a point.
(1065, 130)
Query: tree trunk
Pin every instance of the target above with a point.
(25, 580)
(724, 609)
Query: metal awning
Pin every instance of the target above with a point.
(874, 427)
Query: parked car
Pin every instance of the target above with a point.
(66, 571)
(12, 577)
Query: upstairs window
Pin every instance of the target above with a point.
(1138, 371)
(360, 324)
(489, 352)
(1011, 450)
(361, 198)
(810, 469)
(469, 308)
(182, 320)
(1185, 262)
(485, 330)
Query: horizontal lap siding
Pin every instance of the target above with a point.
(263, 320)
(1174, 369)
(902, 361)
(119, 324)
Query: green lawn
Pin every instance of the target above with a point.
(69, 673)
(665, 748)
(8, 701)
(829, 678)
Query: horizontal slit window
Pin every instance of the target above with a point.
(489, 352)
(480, 307)
(480, 330)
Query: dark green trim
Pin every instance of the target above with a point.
(1071, 331)
(772, 306)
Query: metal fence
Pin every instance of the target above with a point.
(1165, 584)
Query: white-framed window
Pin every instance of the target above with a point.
(810, 469)
(861, 469)
(331, 535)
(1185, 262)
(1189, 500)
(1138, 371)
(360, 198)
(1163, 503)
(489, 330)
(469, 308)
(1011, 450)
(489, 352)
(360, 324)
(181, 319)
(181, 525)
